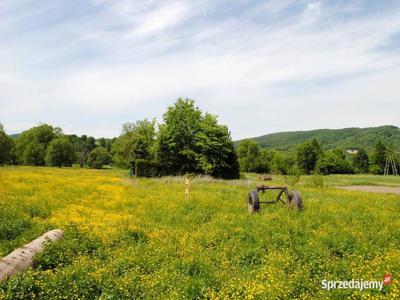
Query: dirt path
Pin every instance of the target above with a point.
(372, 189)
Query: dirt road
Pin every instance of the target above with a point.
(372, 189)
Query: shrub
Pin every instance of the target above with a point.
(146, 168)
(99, 157)
(293, 176)
(318, 181)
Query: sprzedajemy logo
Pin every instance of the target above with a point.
(356, 284)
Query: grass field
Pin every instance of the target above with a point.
(139, 238)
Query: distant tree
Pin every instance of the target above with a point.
(361, 161)
(283, 162)
(333, 162)
(6, 148)
(135, 142)
(248, 155)
(252, 158)
(82, 145)
(32, 144)
(98, 158)
(307, 156)
(339, 153)
(378, 158)
(60, 152)
(1, 127)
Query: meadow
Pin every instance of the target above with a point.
(129, 238)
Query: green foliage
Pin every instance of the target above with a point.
(307, 156)
(252, 158)
(283, 162)
(146, 168)
(177, 151)
(98, 158)
(333, 138)
(13, 222)
(361, 161)
(82, 145)
(293, 176)
(190, 142)
(378, 158)
(6, 148)
(136, 142)
(318, 181)
(31, 145)
(333, 162)
(216, 153)
(60, 152)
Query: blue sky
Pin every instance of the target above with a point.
(261, 66)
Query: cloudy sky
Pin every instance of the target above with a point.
(88, 66)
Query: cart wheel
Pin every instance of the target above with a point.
(295, 200)
(252, 201)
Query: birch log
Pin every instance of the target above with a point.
(22, 258)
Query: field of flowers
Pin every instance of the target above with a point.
(139, 238)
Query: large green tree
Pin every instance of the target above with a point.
(190, 142)
(60, 152)
(216, 151)
(361, 161)
(135, 142)
(31, 145)
(177, 146)
(6, 147)
(378, 158)
(307, 156)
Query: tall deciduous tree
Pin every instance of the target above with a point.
(190, 142)
(361, 161)
(135, 142)
(32, 144)
(216, 150)
(6, 147)
(307, 156)
(60, 152)
(177, 149)
(378, 158)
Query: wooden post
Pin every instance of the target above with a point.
(22, 258)
(187, 186)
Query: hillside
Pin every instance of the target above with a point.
(333, 138)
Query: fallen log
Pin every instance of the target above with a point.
(22, 258)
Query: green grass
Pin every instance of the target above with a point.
(139, 238)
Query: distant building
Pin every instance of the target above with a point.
(352, 151)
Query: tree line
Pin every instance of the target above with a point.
(187, 141)
(309, 158)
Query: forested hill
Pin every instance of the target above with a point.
(333, 138)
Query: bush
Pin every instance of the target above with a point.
(146, 168)
(99, 157)
(330, 163)
(318, 181)
(293, 177)
(376, 170)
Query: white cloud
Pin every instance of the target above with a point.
(129, 60)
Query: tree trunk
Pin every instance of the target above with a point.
(22, 258)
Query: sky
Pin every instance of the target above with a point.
(88, 66)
